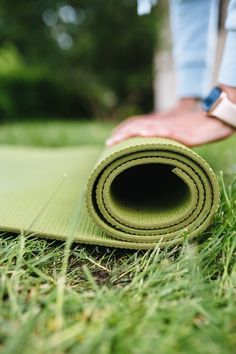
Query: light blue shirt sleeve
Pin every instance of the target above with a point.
(194, 28)
(227, 75)
(194, 34)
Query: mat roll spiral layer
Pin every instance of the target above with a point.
(137, 194)
(151, 191)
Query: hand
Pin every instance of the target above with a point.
(184, 105)
(192, 129)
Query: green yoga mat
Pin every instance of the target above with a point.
(137, 194)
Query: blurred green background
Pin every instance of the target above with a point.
(76, 59)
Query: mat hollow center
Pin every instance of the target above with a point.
(149, 191)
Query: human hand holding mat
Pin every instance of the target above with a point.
(136, 194)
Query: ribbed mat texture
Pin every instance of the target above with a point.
(137, 194)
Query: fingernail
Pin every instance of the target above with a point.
(109, 142)
(114, 140)
(117, 138)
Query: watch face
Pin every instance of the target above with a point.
(209, 101)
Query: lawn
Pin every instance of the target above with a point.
(100, 300)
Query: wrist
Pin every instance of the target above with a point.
(218, 105)
(230, 92)
(188, 102)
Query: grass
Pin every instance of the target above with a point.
(99, 300)
(55, 133)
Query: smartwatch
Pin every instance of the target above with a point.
(218, 105)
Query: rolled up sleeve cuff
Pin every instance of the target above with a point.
(191, 82)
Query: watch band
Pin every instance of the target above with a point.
(224, 110)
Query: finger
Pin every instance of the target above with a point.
(135, 120)
(131, 127)
(157, 132)
(117, 138)
(142, 132)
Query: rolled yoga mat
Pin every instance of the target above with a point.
(136, 194)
